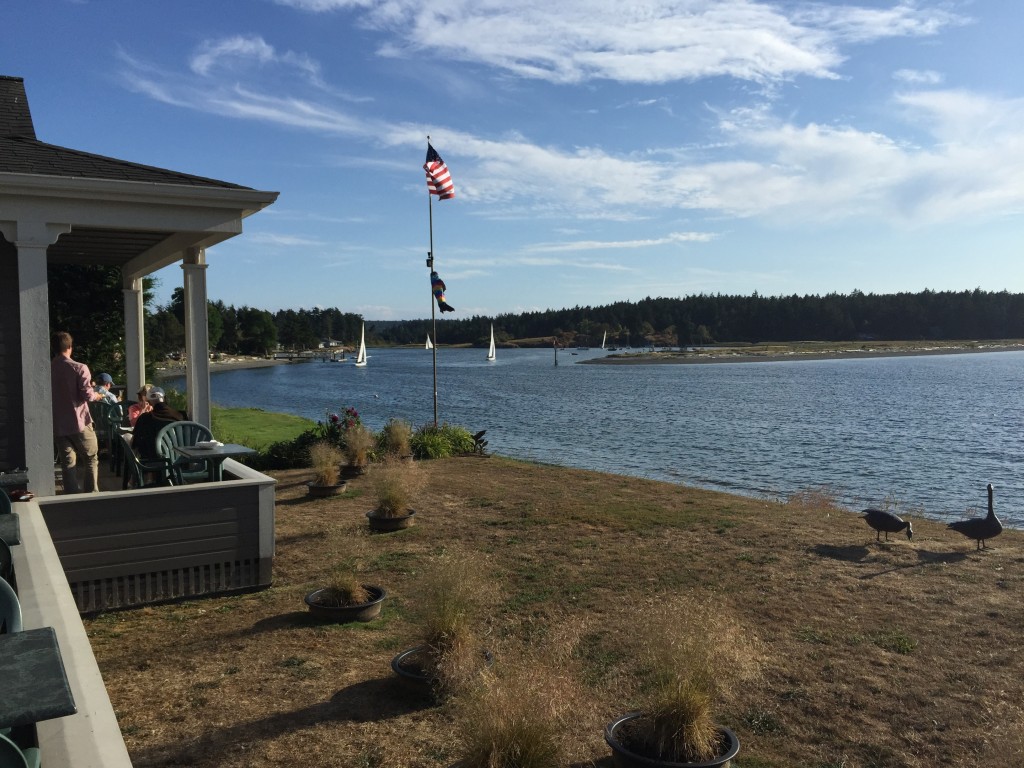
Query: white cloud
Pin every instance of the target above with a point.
(596, 245)
(918, 76)
(652, 41)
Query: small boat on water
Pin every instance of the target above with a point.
(604, 339)
(361, 354)
(491, 356)
(430, 344)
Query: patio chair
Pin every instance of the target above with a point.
(115, 415)
(13, 756)
(183, 433)
(140, 473)
(5, 503)
(10, 609)
(6, 562)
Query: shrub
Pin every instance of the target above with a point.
(439, 442)
(344, 589)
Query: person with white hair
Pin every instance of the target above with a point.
(150, 423)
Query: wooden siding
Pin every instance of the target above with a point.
(120, 550)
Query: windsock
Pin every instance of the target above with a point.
(437, 287)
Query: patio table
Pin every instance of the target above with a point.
(214, 457)
(35, 685)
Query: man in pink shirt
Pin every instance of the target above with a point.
(72, 424)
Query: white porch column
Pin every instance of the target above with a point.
(31, 238)
(134, 338)
(197, 336)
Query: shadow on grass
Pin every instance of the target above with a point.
(924, 557)
(849, 554)
(371, 700)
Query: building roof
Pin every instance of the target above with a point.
(22, 152)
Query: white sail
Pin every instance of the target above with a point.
(604, 339)
(490, 352)
(430, 344)
(361, 355)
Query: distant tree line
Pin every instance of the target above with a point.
(718, 318)
(88, 302)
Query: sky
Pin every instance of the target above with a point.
(601, 151)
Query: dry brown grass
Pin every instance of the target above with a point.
(899, 654)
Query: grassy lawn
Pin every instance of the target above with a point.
(256, 428)
(898, 654)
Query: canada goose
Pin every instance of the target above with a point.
(888, 522)
(980, 528)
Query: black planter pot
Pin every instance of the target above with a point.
(406, 666)
(625, 758)
(345, 613)
(387, 524)
(323, 491)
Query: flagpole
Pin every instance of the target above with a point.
(433, 310)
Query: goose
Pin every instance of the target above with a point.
(980, 528)
(888, 522)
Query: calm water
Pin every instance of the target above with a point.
(927, 432)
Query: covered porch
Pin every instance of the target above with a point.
(112, 549)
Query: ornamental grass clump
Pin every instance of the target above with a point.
(394, 484)
(359, 443)
(520, 713)
(343, 590)
(326, 461)
(396, 438)
(449, 610)
(695, 652)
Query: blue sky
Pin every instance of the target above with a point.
(601, 151)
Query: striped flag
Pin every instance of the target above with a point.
(439, 180)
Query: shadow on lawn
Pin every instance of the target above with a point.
(371, 700)
(924, 557)
(849, 554)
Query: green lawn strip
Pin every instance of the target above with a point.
(256, 428)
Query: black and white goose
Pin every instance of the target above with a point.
(980, 528)
(887, 522)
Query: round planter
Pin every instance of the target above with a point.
(406, 667)
(345, 613)
(351, 471)
(323, 491)
(623, 757)
(385, 524)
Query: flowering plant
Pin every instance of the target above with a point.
(335, 425)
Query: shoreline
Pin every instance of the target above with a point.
(745, 355)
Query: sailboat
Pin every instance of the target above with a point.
(490, 352)
(361, 355)
(430, 344)
(604, 339)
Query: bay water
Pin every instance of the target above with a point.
(921, 434)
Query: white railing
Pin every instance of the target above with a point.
(91, 738)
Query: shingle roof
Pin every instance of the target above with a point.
(21, 152)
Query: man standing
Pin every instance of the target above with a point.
(72, 424)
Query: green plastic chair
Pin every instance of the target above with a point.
(115, 415)
(183, 433)
(6, 562)
(13, 756)
(135, 469)
(10, 609)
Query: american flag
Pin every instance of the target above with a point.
(439, 180)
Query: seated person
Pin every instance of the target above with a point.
(149, 424)
(106, 381)
(137, 409)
